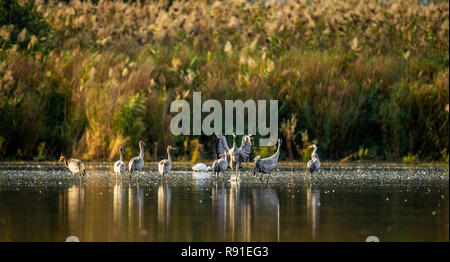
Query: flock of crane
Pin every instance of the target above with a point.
(226, 158)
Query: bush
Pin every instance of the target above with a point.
(410, 159)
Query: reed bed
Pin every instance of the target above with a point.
(364, 79)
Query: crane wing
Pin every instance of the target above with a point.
(246, 148)
(221, 144)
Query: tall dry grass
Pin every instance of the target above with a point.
(354, 74)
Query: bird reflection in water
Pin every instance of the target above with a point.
(313, 208)
(164, 203)
(219, 206)
(136, 201)
(266, 213)
(118, 203)
(76, 208)
(49, 205)
(236, 213)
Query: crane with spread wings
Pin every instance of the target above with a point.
(236, 155)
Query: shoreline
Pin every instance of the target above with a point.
(281, 163)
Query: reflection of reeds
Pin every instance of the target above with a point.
(355, 73)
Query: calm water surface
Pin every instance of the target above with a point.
(339, 203)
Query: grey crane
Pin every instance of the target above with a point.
(266, 165)
(236, 155)
(74, 165)
(221, 145)
(314, 163)
(165, 165)
(119, 165)
(137, 163)
(221, 164)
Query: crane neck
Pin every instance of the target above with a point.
(141, 153)
(234, 141)
(121, 155)
(278, 150)
(169, 157)
(314, 153)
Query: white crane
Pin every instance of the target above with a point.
(201, 167)
(119, 166)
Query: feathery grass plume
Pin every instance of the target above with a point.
(23, 35)
(228, 48)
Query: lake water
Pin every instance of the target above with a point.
(338, 203)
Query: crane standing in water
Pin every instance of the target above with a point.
(165, 165)
(220, 165)
(266, 165)
(119, 166)
(137, 163)
(236, 155)
(74, 165)
(314, 163)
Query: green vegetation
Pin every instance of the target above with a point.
(410, 159)
(367, 79)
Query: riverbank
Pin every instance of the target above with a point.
(249, 164)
